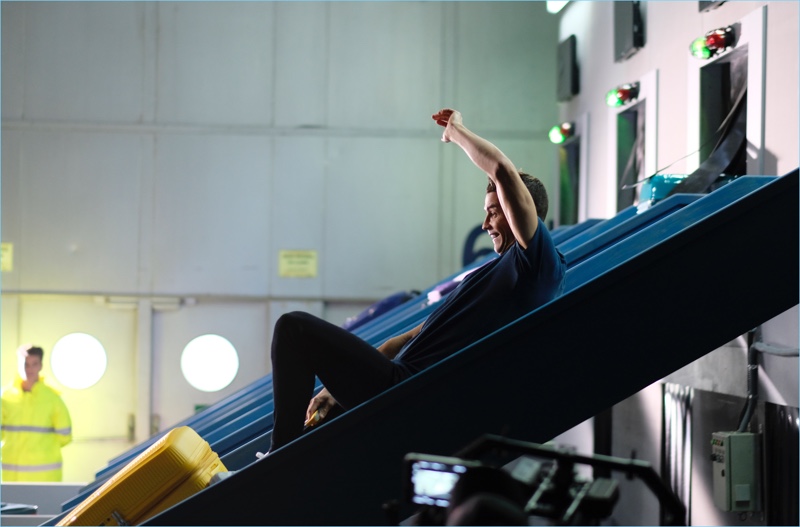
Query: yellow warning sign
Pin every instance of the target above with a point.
(6, 257)
(297, 264)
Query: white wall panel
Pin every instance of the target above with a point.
(344, 70)
(505, 69)
(13, 58)
(215, 63)
(9, 338)
(301, 64)
(297, 211)
(671, 56)
(11, 201)
(79, 212)
(244, 325)
(385, 64)
(211, 215)
(381, 231)
(84, 61)
(782, 112)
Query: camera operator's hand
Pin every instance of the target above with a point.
(322, 402)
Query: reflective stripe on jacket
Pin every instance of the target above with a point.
(35, 425)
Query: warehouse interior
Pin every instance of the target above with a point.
(184, 173)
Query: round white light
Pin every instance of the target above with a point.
(554, 7)
(78, 361)
(209, 363)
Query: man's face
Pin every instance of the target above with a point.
(496, 224)
(31, 368)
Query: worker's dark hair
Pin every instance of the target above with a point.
(35, 351)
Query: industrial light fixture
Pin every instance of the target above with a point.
(622, 95)
(713, 42)
(78, 361)
(561, 132)
(554, 7)
(209, 363)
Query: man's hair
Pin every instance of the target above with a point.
(537, 190)
(35, 351)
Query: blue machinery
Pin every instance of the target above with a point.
(601, 342)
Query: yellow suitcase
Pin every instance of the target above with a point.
(176, 466)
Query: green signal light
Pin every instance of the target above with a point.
(699, 48)
(556, 135)
(613, 99)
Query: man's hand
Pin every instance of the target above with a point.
(515, 199)
(323, 402)
(449, 119)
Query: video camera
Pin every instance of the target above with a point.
(540, 480)
(430, 479)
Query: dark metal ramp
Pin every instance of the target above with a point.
(650, 305)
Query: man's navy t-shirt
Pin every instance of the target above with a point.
(490, 297)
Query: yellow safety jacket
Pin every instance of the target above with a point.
(35, 425)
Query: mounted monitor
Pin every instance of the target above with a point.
(568, 83)
(705, 7)
(628, 30)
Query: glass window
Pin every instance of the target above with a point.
(209, 363)
(78, 361)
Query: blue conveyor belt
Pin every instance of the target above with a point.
(538, 375)
(235, 429)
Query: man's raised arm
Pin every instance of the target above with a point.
(514, 197)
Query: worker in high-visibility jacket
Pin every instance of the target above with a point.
(35, 424)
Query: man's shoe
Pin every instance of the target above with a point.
(219, 476)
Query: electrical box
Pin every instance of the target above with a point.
(736, 459)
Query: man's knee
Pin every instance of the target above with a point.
(293, 319)
(289, 328)
(296, 321)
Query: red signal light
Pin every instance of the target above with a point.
(715, 41)
(720, 39)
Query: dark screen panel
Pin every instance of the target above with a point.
(704, 7)
(628, 30)
(568, 84)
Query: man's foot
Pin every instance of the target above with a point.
(261, 455)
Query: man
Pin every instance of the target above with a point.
(35, 424)
(529, 273)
